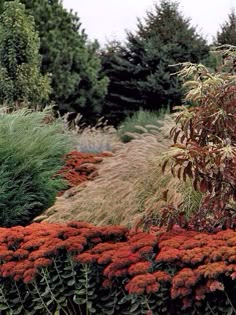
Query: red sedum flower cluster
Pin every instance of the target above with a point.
(190, 264)
(23, 250)
(80, 167)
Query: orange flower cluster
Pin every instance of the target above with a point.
(149, 283)
(80, 167)
(23, 250)
(122, 259)
(201, 259)
(190, 264)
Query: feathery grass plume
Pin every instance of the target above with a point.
(111, 197)
(92, 139)
(191, 199)
(30, 154)
(138, 122)
(129, 185)
(96, 139)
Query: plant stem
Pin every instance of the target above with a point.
(52, 294)
(233, 308)
(211, 309)
(45, 306)
(4, 298)
(86, 279)
(18, 292)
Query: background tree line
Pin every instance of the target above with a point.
(46, 57)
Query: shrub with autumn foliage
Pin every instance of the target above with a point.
(78, 268)
(204, 138)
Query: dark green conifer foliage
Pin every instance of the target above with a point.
(72, 61)
(227, 33)
(139, 71)
(123, 97)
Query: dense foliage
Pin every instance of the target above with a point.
(139, 70)
(76, 78)
(20, 77)
(78, 268)
(31, 152)
(204, 146)
(227, 32)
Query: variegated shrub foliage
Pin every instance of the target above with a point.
(204, 138)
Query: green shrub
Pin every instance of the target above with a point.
(30, 154)
(139, 121)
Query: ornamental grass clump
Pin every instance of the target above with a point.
(31, 152)
(138, 122)
(129, 187)
(97, 138)
(113, 196)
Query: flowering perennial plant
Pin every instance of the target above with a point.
(78, 268)
(80, 167)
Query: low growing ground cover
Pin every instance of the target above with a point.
(78, 268)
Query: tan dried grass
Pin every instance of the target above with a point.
(129, 184)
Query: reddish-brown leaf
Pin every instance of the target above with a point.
(203, 186)
(188, 170)
(165, 195)
(176, 136)
(164, 166)
(184, 174)
(183, 137)
(172, 169)
(179, 173)
(195, 184)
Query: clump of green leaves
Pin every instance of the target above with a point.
(73, 62)
(20, 79)
(31, 152)
(204, 138)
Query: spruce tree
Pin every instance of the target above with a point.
(20, 79)
(227, 33)
(142, 65)
(122, 98)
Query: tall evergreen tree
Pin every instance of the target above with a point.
(20, 77)
(227, 33)
(141, 68)
(73, 62)
(122, 98)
